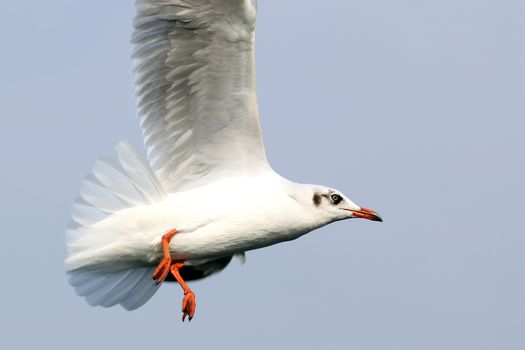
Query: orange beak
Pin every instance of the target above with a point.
(366, 214)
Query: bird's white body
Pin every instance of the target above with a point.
(212, 221)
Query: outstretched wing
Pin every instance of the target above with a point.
(195, 67)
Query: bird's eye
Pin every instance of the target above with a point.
(336, 198)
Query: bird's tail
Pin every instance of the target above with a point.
(110, 187)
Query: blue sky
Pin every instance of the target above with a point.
(414, 109)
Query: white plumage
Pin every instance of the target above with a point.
(207, 175)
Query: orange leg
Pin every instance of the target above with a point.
(165, 266)
(188, 303)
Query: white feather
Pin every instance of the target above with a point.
(141, 291)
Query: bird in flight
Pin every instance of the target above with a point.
(206, 192)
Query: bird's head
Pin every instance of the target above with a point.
(337, 206)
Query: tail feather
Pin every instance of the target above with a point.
(130, 288)
(140, 173)
(85, 215)
(112, 177)
(110, 187)
(141, 292)
(99, 197)
(126, 281)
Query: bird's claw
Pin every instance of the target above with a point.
(162, 270)
(188, 306)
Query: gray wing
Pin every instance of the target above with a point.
(195, 84)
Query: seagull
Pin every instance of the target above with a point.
(206, 192)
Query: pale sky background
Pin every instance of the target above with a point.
(413, 108)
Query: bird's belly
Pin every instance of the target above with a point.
(223, 239)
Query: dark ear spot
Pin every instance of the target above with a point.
(317, 199)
